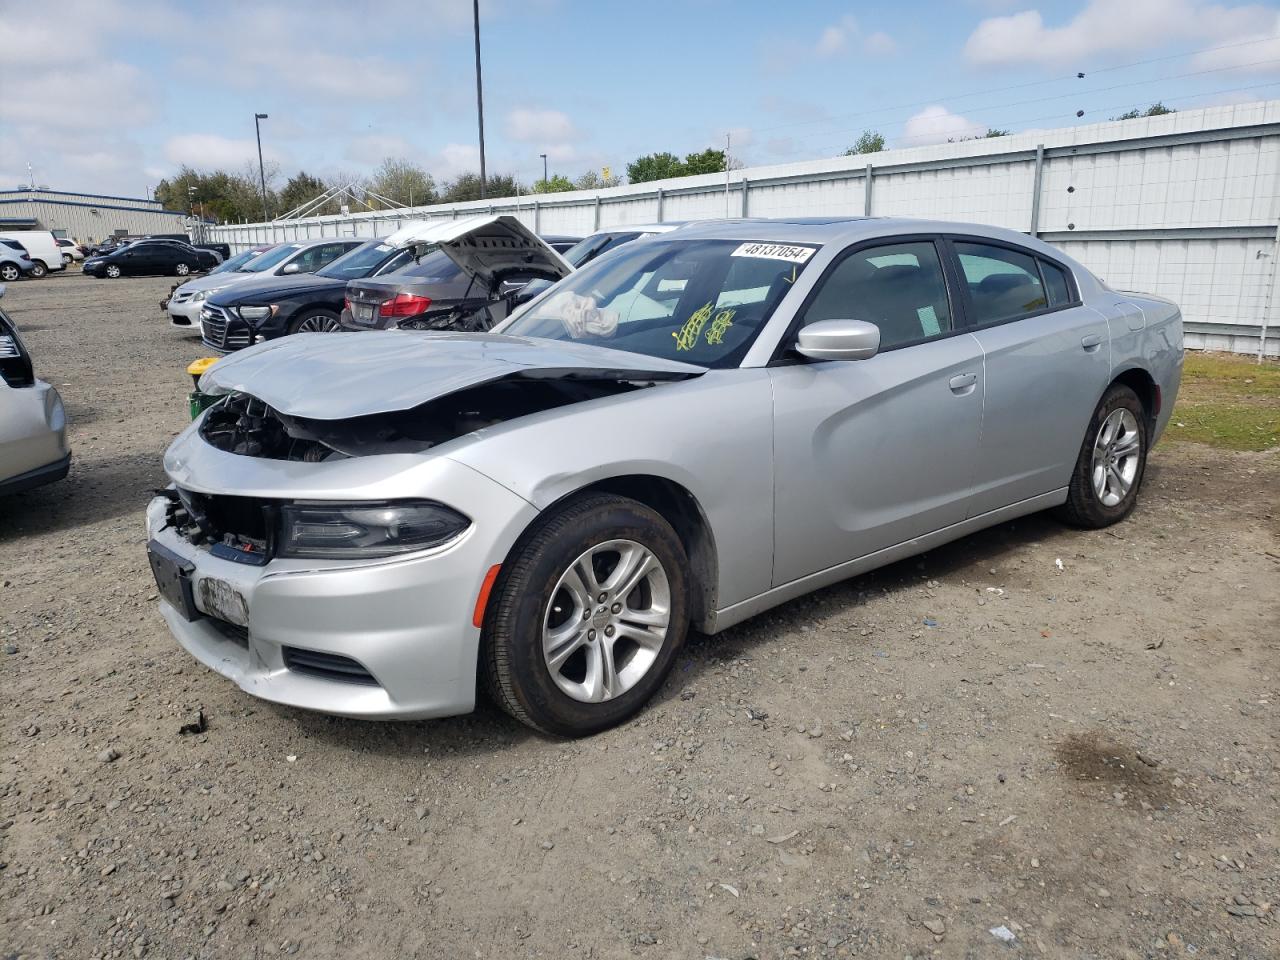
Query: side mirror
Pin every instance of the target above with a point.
(289, 268)
(839, 340)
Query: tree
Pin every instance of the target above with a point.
(871, 141)
(654, 166)
(467, 187)
(557, 184)
(1157, 109)
(300, 189)
(596, 181)
(223, 196)
(708, 161)
(403, 182)
(995, 132)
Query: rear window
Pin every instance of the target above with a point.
(1003, 284)
(1055, 280)
(435, 266)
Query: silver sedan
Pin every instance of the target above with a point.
(33, 424)
(682, 434)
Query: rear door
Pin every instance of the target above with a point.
(1047, 360)
(871, 453)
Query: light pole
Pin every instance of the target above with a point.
(544, 169)
(262, 173)
(475, 9)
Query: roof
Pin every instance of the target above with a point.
(825, 230)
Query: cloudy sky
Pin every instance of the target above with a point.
(112, 95)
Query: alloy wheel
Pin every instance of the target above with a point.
(1116, 456)
(607, 621)
(182, 269)
(9, 273)
(319, 324)
(113, 271)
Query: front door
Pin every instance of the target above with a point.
(871, 453)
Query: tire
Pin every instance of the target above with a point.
(112, 271)
(9, 273)
(315, 321)
(525, 617)
(39, 270)
(182, 269)
(66, 260)
(1112, 462)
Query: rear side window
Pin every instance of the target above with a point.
(1003, 284)
(899, 287)
(1055, 282)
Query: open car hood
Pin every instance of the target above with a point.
(336, 376)
(492, 248)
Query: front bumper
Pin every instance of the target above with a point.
(33, 437)
(184, 314)
(406, 622)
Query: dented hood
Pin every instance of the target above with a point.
(335, 376)
(490, 248)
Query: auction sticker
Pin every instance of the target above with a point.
(775, 251)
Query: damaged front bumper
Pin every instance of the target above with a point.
(377, 639)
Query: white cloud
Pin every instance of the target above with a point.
(372, 148)
(846, 33)
(937, 124)
(1108, 26)
(209, 151)
(543, 127)
(455, 158)
(1249, 52)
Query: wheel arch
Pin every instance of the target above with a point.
(680, 508)
(1144, 385)
(302, 308)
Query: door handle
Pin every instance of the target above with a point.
(1091, 342)
(962, 383)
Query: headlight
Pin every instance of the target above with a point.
(256, 313)
(344, 530)
(201, 295)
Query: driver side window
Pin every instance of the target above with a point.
(899, 287)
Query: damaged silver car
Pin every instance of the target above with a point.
(684, 433)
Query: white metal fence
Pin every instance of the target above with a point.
(1185, 205)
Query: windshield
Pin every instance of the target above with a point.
(359, 262)
(700, 301)
(271, 258)
(236, 262)
(584, 251)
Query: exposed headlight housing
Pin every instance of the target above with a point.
(256, 313)
(334, 531)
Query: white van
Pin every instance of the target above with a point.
(44, 250)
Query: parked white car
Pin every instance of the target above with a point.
(70, 251)
(44, 249)
(33, 424)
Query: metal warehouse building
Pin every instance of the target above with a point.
(86, 217)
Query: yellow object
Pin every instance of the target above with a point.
(687, 336)
(198, 367)
(720, 325)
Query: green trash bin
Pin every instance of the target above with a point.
(198, 402)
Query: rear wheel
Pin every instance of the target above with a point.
(9, 272)
(587, 617)
(39, 269)
(182, 269)
(1112, 461)
(315, 321)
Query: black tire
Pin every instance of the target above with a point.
(514, 670)
(1084, 507)
(305, 318)
(38, 270)
(9, 272)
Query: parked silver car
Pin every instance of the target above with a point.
(686, 432)
(33, 425)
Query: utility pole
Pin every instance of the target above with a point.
(475, 9)
(544, 170)
(726, 176)
(262, 173)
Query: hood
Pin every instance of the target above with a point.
(343, 375)
(214, 281)
(489, 248)
(258, 288)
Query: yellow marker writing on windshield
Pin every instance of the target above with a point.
(687, 335)
(719, 327)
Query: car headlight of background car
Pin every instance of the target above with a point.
(254, 314)
(203, 294)
(347, 530)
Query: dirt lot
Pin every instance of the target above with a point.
(1082, 758)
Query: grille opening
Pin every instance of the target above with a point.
(327, 666)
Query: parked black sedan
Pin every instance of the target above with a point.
(434, 293)
(151, 257)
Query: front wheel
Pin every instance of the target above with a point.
(113, 271)
(9, 272)
(39, 270)
(315, 321)
(1113, 458)
(586, 617)
(182, 269)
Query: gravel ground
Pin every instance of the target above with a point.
(972, 753)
